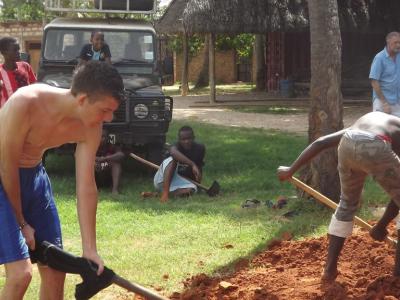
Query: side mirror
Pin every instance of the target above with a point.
(25, 57)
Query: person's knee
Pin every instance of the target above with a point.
(171, 165)
(346, 212)
(51, 278)
(19, 279)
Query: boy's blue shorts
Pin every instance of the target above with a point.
(39, 211)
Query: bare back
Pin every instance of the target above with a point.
(380, 123)
(45, 119)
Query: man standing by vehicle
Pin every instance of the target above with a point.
(187, 159)
(385, 77)
(13, 72)
(36, 118)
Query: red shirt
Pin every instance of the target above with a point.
(14, 79)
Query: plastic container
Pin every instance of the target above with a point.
(286, 88)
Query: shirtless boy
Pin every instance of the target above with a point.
(371, 146)
(36, 118)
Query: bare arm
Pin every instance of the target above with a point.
(311, 151)
(14, 129)
(180, 157)
(116, 157)
(86, 191)
(377, 88)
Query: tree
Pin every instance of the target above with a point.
(259, 52)
(22, 10)
(326, 110)
(203, 79)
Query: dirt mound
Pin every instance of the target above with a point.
(292, 269)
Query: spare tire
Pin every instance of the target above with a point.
(134, 5)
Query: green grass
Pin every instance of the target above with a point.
(159, 245)
(261, 109)
(220, 89)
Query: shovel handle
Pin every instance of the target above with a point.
(137, 289)
(328, 202)
(142, 160)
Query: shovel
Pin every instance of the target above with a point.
(328, 202)
(212, 191)
(58, 259)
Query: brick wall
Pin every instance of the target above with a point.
(22, 31)
(225, 66)
(26, 33)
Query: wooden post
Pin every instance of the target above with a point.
(211, 54)
(259, 46)
(185, 65)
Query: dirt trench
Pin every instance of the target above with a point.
(292, 270)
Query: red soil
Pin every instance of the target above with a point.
(292, 269)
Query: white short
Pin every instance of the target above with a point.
(177, 182)
(377, 106)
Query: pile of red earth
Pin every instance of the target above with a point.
(292, 270)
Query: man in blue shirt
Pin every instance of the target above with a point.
(385, 77)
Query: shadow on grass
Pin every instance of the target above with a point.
(244, 162)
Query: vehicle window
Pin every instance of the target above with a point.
(67, 44)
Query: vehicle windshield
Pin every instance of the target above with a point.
(125, 46)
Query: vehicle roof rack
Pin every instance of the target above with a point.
(102, 6)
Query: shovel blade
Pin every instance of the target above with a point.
(214, 189)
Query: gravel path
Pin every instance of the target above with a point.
(294, 123)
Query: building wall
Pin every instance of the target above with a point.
(225, 66)
(29, 36)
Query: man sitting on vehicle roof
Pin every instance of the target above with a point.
(96, 50)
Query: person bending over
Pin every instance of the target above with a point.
(35, 118)
(371, 146)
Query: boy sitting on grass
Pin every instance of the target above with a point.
(186, 159)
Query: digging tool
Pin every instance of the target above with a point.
(58, 259)
(328, 202)
(212, 191)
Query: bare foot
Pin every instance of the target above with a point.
(164, 198)
(148, 194)
(378, 233)
(329, 276)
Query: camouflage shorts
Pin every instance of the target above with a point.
(361, 154)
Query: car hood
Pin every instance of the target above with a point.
(139, 84)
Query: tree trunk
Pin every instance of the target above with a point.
(211, 48)
(259, 51)
(185, 66)
(326, 110)
(202, 80)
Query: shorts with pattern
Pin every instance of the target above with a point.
(361, 154)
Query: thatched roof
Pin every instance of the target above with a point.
(261, 16)
(237, 16)
(171, 20)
